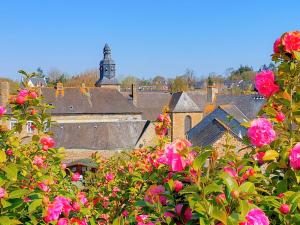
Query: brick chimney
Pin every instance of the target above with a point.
(133, 94)
(4, 86)
(211, 93)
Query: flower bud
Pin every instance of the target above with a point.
(284, 209)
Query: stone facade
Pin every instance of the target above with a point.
(84, 118)
(178, 123)
(229, 139)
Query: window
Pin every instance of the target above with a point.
(187, 124)
(46, 126)
(12, 123)
(29, 127)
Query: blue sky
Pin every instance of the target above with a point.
(147, 37)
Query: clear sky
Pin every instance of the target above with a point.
(147, 37)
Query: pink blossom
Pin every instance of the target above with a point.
(20, 100)
(160, 118)
(76, 176)
(178, 185)
(78, 221)
(63, 166)
(221, 198)
(295, 157)
(261, 132)
(280, 117)
(58, 206)
(116, 189)
(276, 45)
(169, 214)
(82, 198)
(23, 93)
(43, 187)
(125, 213)
(38, 160)
(2, 192)
(109, 177)
(9, 152)
(141, 218)
(259, 157)
(33, 95)
(76, 206)
(291, 41)
(256, 217)
(187, 213)
(230, 171)
(47, 142)
(265, 83)
(281, 195)
(63, 221)
(284, 209)
(2, 110)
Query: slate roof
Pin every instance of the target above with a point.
(99, 135)
(182, 102)
(208, 130)
(150, 103)
(250, 104)
(209, 134)
(95, 101)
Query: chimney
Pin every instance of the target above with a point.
(133, 94)
(211, 93)
(4, 92)
(59, 89)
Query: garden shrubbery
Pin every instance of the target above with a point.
(172, 183)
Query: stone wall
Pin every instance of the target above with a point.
(178, 123)
(89, 118)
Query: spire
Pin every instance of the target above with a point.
(106, 52)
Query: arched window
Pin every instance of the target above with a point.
(187, 123)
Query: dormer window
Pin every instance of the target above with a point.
(12, 123)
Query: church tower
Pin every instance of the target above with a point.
(107, 70)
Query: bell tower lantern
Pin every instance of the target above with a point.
(107, 69)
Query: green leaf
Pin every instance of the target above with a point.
(247, 187)
(270, 155)
(34, 204)
(5, 203)
(5, 220)
(2, 156)
(201, 159)
(18, 193)
(218, 214)
(230, 183)
(212, 188)
(11, 171)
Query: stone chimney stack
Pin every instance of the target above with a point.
(4, 86)
(133, 94)
(211, 93)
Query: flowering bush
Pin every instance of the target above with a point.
(171, 183)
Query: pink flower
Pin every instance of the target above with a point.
(265, 83)
(169, 214)
(23, 93)
(261, 132)
(280, 117)
(38, 160)
(9, 151)
(174, 159)
(291, 41)
(63, 166)
(256, 217)
(76, 176)
(178, 185)
(63, 221)
(78, 221)
(2, 110)
(230, 171)
(259, 157)
(76, 206)
(277, 43)
(125, 213)
(160, 118)
(109, 177)
(47, 142)
(281, 195)
(116, 189)
(58, 206)
(284, 209)
(82, 198)
(154, 194)
(187, 213)
(2, 192)
(141, 218)
(295, 157)
(221, 198)
(43, 187)
(33, 95)
(20, 100)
